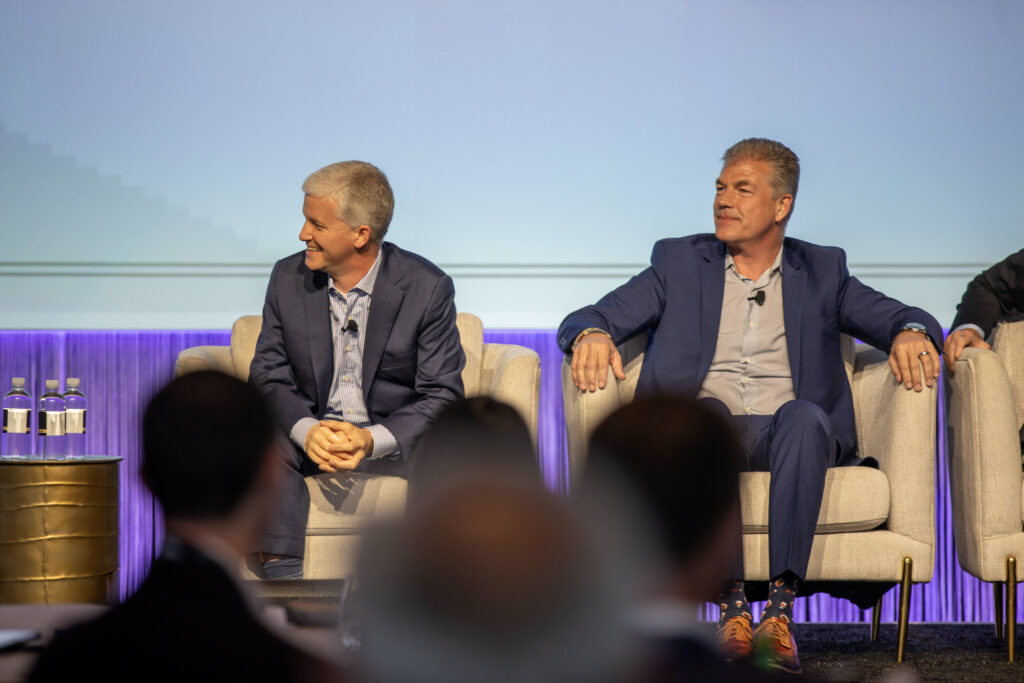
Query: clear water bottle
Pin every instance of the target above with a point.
(74, 418)
(17, 434)
(51, 423)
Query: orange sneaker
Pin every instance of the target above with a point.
(775, 647)
(736, 638)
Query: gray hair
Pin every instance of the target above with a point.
(785, 164)
(361, 191)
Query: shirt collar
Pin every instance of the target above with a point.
(365, 285)
(776, 265)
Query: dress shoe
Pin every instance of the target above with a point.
(736, 638)
(775, 647)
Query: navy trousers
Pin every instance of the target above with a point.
(796, 445)
(286, 531)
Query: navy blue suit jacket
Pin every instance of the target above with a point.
(678, 299)
(412, 357)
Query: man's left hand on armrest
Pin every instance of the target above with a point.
(907, 349)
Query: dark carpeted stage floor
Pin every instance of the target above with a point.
(935, 652)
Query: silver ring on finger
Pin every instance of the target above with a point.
(924, 353)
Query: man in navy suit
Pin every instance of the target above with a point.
(749, 320)
(358, 351)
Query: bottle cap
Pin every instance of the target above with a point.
(18, 382)
(51, 384)
(72, 382)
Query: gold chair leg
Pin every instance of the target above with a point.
(876, 616)
(1011, 605)
(904, 617)
(997, 607)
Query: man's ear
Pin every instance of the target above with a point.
(363, 234)
(783, 206)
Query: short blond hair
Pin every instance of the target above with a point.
(785, 164)
(361, 191)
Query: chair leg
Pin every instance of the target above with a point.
(904, 617)
(876, 616)
(997, 607)
(1011, 605)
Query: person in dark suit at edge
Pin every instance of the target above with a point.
(995, 295)
(209, 458)
(358, 351)
(749, 320)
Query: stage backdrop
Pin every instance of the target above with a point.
(121, 370)
(151, 153)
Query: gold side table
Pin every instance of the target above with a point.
(59, 530)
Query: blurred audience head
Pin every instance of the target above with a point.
(489, 580)
(663, 476)
(489, 576)
(207, 440)
(477, 438)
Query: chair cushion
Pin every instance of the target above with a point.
(341, 504)
(856, 499)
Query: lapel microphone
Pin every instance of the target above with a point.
(353, 326)
(757, 298)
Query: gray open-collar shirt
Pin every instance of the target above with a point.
(750, 369)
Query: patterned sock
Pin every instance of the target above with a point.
(781, 592)
(733, 603)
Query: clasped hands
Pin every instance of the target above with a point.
(595, 352)
(337, 446)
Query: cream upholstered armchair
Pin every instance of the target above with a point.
(341, 505)
(874, 525)
(984, 415)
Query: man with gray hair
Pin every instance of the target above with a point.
(358, 351)
(749, 320)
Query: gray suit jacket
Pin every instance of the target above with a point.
(412, 358)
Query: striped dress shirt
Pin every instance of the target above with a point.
(345, 403)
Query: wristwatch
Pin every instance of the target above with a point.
(920, 329)
(587, 331)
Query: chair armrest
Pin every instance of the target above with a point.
(584, 411)
(511, 373)
(204, 358)
(896, 426)
(984, 453)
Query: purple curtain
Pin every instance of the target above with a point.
(120, 370)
